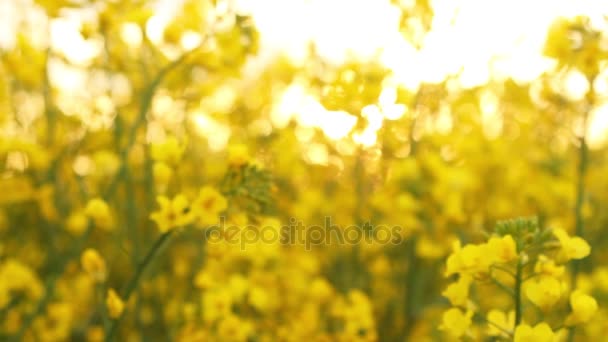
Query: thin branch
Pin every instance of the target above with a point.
(134, 282)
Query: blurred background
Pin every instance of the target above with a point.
(441, 117)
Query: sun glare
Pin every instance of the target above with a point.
(475, 39)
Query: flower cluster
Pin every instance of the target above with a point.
(527, 264)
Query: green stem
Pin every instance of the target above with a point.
(503, 286)
(506, 331)
(134, 282)
(583, 160)
(580, 196)
(410, 284)
(517, 295)
(51, 283)
(505, 270)
(146, 102)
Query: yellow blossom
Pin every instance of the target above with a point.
(169, 151)
(572, 247)
(238, 286)
(458, 292)
(99, 211)
(238, 155)
(583, 308)
(16, 277)
(95, 334)
(216, 304)
(600, 278)
(56, 324)
(503, 249)
(233, 329)
(162, 174)
(76, 223)
(472, 259)
(320, 289)
(539, 333)
(260, 299)
(455, 322)
(499, 322)
(173, 213)
(114, 304)
(547, 267)
(544, 292)
(208, 205)
(94, 265)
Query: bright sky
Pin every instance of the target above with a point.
(480, 37)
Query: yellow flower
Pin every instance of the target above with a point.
(321, 290)
(216, 304)
(114, 304)
(95, 334)
(572, 247)
(557, 44)
(583, 308)
(502, 249)
(162, 174)
(260, 299)
(544, 292)
(429, 248)
(204, 280)
(16, 277)
(238, 155)
(99, 211)
(472, 259)
(172, 213)
(76, 223)
(500, 319)
(458, 292)
(600, 278)
(238, 286)
(539, 333)
(57, 323)
(208, 205)
(455, 322)
(169, 151)
(94, 265)
(547, 267)
(233, 329)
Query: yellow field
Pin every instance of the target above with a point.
(303, 170)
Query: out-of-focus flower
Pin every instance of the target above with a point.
(547, 267)
(456, 322)
(238, 155)
(94, 265)
(77, 222)
(572, 247)
(99, 211)
(544, 292)
(583, 308)
(208, 205)
(16, 277)
(114, 304)
(499, 322)
(458, 292)
(539, 333)
(169, 151)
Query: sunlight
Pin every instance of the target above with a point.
(296, 103)
(477, 40)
